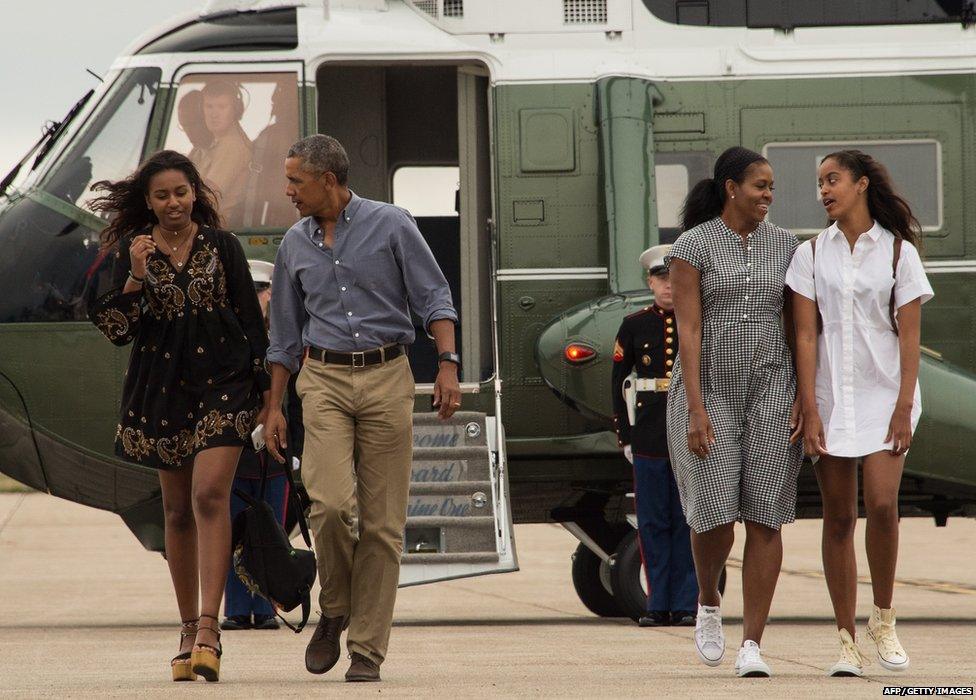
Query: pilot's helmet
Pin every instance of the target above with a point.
(652, 259)
(261, 272)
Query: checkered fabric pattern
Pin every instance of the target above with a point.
(747, 381)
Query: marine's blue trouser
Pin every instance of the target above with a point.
(665, 538)
(237, 599)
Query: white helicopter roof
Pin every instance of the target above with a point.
(544, 41)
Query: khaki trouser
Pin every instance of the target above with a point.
(358, 420)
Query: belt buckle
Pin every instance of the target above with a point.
(662, 384)
(362, 359)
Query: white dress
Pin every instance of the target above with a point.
(858, 361)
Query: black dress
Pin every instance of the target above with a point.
(196, 371)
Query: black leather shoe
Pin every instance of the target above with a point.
(655, 618)
(322, 652)
(265, 622)
(683, 618)
(236, 622)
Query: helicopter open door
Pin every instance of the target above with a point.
(417, 135)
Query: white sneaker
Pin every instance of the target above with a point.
(749, 662)
(709, 637)
(881, 630)
(852, 661)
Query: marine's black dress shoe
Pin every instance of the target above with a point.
(655, 618)
(265, 622)
(683, 618)
(236, 622)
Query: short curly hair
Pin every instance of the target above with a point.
(322, 154)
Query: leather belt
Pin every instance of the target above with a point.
(356, 359)
(657, 384)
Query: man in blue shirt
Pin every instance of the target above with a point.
(346, 278)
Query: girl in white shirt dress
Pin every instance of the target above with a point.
(859, 289)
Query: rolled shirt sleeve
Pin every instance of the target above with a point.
(799, 276)
(911, 282)
(428, 293)
(288, 315)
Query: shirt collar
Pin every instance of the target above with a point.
(349, 213)
(310, 226)
(873, 233)
(661, 312)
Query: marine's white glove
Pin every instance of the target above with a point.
(629, 453)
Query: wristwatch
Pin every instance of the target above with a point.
(449, 357)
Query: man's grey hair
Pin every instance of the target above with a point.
(322, 154)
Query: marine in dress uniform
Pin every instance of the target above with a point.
(647, 348)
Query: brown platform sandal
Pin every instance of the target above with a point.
(181, 662)
(205, 659)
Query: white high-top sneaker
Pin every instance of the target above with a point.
(881, 630)
(852, 661)
(749, 662)
(709, 637)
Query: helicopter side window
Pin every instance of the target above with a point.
(237, 128)
(916, 165)
(674, 174)
(111, 146)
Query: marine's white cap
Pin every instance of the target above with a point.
(652, 259)
(260, 271)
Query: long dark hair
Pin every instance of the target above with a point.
(126, 199)
(706, 199)
(886, 206)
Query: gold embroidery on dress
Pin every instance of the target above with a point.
(177, 448)
(205, 279)
(136, 444)
(113, 323)
(165, 298)
(212, 424)
(173, 450)
(243, 422)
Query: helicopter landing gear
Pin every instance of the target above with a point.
(628, 581)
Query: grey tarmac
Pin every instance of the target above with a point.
(85, 611)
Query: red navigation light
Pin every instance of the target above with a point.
(577, 353)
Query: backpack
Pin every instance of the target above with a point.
(264, 559)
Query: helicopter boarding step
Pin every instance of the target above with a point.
(451, 515)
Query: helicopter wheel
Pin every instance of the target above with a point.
(628, 580)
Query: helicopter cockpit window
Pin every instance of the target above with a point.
(237, 128)
(59, 268)
(110, 147)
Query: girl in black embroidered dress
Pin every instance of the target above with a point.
(195, 387)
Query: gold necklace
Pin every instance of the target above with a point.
(175, 251)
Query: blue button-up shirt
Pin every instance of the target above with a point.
(359, 294)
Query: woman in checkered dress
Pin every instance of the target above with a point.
(732, 418)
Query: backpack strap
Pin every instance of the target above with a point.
(306, 612)
(296, 503)
(894, 277)
(813, 252)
